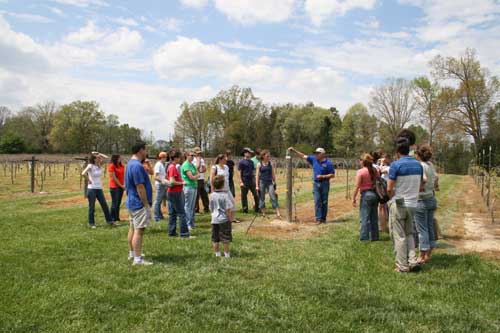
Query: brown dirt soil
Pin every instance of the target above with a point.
(66, 202)
(473, 229)
(304, 227)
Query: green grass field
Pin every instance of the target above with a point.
(60, 276)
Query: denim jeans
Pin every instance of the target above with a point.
(190, 195)
(176, 210)
(368, 214)
(269, 188)
(250, 186)
(320, 193)
(161, 193)
(116, 202)
(424, 220)
(92, 195)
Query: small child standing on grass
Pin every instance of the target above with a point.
(220, 206)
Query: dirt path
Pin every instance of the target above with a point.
(304, 227)
(473, 230)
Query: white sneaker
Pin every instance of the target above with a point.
(132, 257)
(190, 237)
(93, 226)
(143, 263)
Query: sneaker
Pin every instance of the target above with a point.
(189, 237)
(93, 226)
(142, 263)
(132, 257)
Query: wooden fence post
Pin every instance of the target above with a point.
(32, 172)
(289, 188)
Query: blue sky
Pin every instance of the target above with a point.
(142, 59)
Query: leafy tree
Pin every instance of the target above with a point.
(475, 94)
(11, 143)
(21, 125)
(358, 132)
(77, 127)
(433, 103)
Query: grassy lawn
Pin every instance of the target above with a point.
(60, 276)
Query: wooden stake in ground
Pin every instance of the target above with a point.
(289, 188)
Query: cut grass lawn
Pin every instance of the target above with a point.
(60, 276)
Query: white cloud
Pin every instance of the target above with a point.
(124, 21)
(170, 24)
(83, 3)
(189, 57)
(20, 53)
(121, 41)
(237, 45)
(26, 17)
(320, 10)
(252, 11)
(57, 11)
(195, 3)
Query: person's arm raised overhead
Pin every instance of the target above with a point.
(292, 149)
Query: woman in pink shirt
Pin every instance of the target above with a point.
(368, 206)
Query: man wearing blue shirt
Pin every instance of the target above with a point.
(139, 200)
(405, 182)
(246, 168)
(323, 171)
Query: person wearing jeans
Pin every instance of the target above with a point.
(405, 181)
(93, 175)
(368, 207)
(116, 185)
(175, 197)
(160, 184)
(426, 206)
(323, 171)
(247, 181)
(265, 178)
(190, 177)
(201, 168)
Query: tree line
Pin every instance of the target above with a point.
(455, 109)
(78, 127)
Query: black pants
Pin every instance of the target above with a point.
(244, 193)
(204, 197)
(231, 187)
(116, 202)
(92, 195)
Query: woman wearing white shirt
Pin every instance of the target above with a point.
(161, 183)
(93, 175)
(221, 169)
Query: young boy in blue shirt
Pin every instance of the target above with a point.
(220, 207)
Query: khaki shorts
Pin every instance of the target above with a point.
(140, 219)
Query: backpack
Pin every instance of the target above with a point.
(380, 189)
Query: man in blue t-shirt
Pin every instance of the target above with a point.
(323, 171)
(405, 181)
(139, 200)
(246, 168)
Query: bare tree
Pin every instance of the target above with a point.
(5, 114)
(476, 91)
(393, 104)
(433, 103)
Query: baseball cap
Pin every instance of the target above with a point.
(320, 150)
(247, 150)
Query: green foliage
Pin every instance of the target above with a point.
(60, 276)
(11, 143)
(358, 132)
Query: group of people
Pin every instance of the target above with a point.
(411, 183)
(180, 180)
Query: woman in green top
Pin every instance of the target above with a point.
(190, 176)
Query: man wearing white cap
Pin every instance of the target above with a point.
(323, 171)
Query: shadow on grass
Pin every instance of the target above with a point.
(445, 261)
